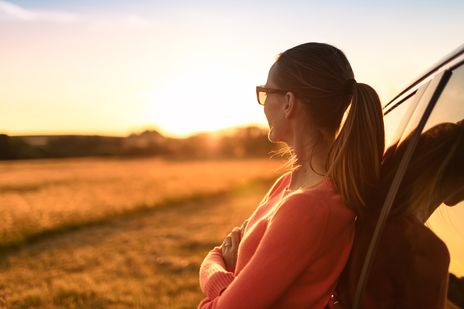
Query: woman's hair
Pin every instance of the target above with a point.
(321, 77)
(437, 162)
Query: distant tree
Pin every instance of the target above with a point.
(6, 148)
(13, 148)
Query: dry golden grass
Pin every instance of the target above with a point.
(148, 259)
(43, 195)
(142, 259)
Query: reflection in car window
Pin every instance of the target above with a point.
(410, 267)
(435, 179)
(446, 221)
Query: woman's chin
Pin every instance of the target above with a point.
(451, 202)
(455, 198)
(272, 137)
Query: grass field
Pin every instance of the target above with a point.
(95, 233)
(151, 224)
(39, 197)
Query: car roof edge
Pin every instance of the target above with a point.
(449, 57)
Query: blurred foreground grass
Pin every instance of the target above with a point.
(47, 196)
(144, 257)
(144, 261)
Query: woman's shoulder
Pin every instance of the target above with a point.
(298, 210)
(279, 184)
(321, 199)
(328, 197)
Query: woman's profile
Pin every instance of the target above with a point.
(290, 252)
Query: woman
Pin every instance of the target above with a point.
(296, 243)
(410, 268)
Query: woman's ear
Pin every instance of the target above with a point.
(290, 104)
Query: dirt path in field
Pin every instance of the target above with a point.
(148, 260)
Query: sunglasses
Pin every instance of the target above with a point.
(261, 93)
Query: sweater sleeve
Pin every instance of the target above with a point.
(289, 245)
(213, 276)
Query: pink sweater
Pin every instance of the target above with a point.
(292, 251)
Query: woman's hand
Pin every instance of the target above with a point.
(230, 244)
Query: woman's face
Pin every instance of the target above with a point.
(274, 111)
(455, 195)
(450, 193)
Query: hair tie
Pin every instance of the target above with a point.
(349, 86)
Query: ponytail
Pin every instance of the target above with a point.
(355, 157)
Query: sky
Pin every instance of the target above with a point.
(182, 67)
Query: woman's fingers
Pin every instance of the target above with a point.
(230, 246)
(227, 241)
(235, 237)
(228, 253)
(244, 224)
(243, 227)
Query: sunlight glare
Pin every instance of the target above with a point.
(204, 98)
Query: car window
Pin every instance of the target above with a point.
(403, 121)
(433, 185)
(421, 107)
(446, 221)
(414, 166)
(396, 118)
(402, 118)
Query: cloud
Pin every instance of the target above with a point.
(136, 21)
(131, 21)
(15, 12)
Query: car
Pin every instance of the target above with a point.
(433, 103)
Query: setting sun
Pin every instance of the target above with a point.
(206, 96)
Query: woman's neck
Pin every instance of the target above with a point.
(305, 174)
(301, 179)
(311, 151)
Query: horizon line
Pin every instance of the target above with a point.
(135, 131)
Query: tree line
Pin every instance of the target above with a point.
(239, 142)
